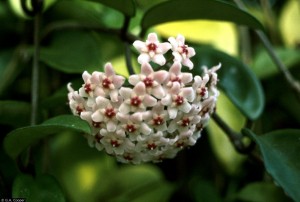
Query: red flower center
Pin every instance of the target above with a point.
(158, 121)
(110, 112)
(114, 143)
(130, 128)
(185, 122)
(176, 79)
(148, 82)
(184, 49)
(96, 124)
(152, 47)
(106, 83)
(87, 87)
(135, 101)
(179, 100)
(79, 110)
(202, 91)
(151, 146)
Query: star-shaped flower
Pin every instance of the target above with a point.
(178, 99)
(151, 79)
(175, 75)
(181, 52)
(152, 50)
(110, 82)
(136, 99)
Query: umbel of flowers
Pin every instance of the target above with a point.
(158, 114)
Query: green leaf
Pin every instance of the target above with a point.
(236, 79)
(263, 66)
(73, 52)
(9, 67)
(127, 7)
(139, 183)
(43, 188)
(193, 9)
(14, 113)
(18, 140)
(261, 192)
(280, 150)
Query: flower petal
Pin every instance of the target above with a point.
(159, 59)
(146, 69)
(143, 58)
(140, 46)
(149, 101)
(134, 79)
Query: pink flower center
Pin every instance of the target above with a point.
(180, 144)
(202, 91)
(96, 124)
(106, 83)
(128, 157)
(135, 101)
(184, 49)
(110, 112)
(87, 87)
(148, 82)
(130, 128)
(98, 137)
(176, 79)
(79, 109)
(152, 47)
(151, 146)
(185, 122)
(115, 143)
(158, 121)
(179, 100)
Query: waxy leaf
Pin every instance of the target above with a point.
(264, 67)
(238, 82)
(280, 150)
(73, 52)
(43, 188)
(127, 7)
(18, 140)
(177, 10)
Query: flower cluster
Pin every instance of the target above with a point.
(158, 114)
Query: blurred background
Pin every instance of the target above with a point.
(76, 35)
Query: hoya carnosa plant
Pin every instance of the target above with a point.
(158, 114)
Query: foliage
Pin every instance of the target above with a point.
(250, 151)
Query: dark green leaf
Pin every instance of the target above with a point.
(43, 188)
(18, 140)
(194, 9)
(263, 66)
(73, 52)
(280, 150)
(9, 68)
(262, 192)
(236, 80)
(85, 13)
(127, 7)
(14, 113)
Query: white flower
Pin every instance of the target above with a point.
(178, 99)
(181, 52)
(133, 125)
(152, 50)
(115, 142)
(76, 102)
(200, 87)
(110, 82)
(151, 79)
(106, 112)
(175, 75)
(157, 117)
(136, 99)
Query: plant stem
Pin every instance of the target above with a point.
(35, 71)
(287, 74)
(235, 138)
(295, 85)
